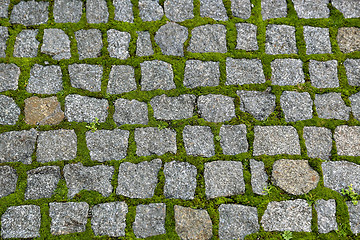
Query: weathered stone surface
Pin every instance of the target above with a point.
(179, 10)
(273, 140)
(143, 44)
(348, 39)
(105, 145)
(42, 182)
(324, 74)
(171, 38)
(130, 112)
(352, 67)
(89, 43)
(198, 141)
(3, 38)
(150, 10)
(216, 108)
(97, 11)
(331, 106)
(68, 217)
(259, 104)
(121, 79)
(237, 221)
(347, 140)
(150, 220)
(45, 79)
(56, 43)
(30, 13)
(296, 106)
(317, 40)
(56, 145)
(259, 177)
(109, 219)
(152, 140)
(273, 9)
(138, 180)
(4, 6)
(192, 223)
(8, 180)
(9, 76)
(291, 215)
(26, 44)
(118, 44)
(9, 111)
(287, 72)
(180, 180)
(318, 142)
(97, 178)
(233, 139)
(213, 9)
(241, 8)
(223, 179)
(208, 38)
(85, 109)
(21, 222)
(294, 176)
(246, 37)
(280, 39)
(123, 11)
(67, 11)
(244, 71)
(201, 74)
(173, 108)
(355, 105)
(156, 75)
(349, 8)
(326, 214)
(354, 213)
(86, 76)
(312, 8)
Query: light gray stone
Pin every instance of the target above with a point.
(26, 44)
(138, 180)
(89, 43)
(273, 9)
(199, 141)
(280, 39)
(246, 37)
(331, 106)
(180, 180)
(347, 140)
(30, 13)
(296, 106)
(208, 38)
(45, 79)
(213, 9)
(118, 44)
(355, 105)
(150, 220)
(156, 75)
(216, 108)
(86, 76)
(171, 38)
(352, 67)
(130, 112)
(67, 11)
(56, 44)
(287, 72)
(42, 182)
(143, 44)
(348, 39)
(318, 142)
(4, 7)
(354, 216)
(244, 71)
(121, 79)
(173, 108)
(97, 11)
(150, 10)
(241, 8)
(201, 74)
(349, 8)
(179, 10)
(326, 214)
(233, 139)
(317, 40)
(312, 8)
(3, 39)
(9, 76)
(8, 180)
(259, 177)
(9, 111)
(123, 11)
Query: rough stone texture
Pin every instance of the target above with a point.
(152, 140)
(259, 177)
(45, 79)
(244, 71)
(317, 40)
(68, 217)
(280, 39)
(8, 180)
(294, 176)
(9, 111)
(326, 214)
(138, 180)
(118, 44)
(296, 106)
(97, 178)
(54, 145)
(216, 108)
(171, 38)
(213, 9)
(354, 217)
(331, 106)
(121, 79)
(56, 43)
(149, 220)
(324, 74)
(143, 44)
(246, 37)
(150, 10)
(30, 13)
(318, 142)
(237, 221)
(208, 38)
(97, 11)
(355, 105)
(17, 146)
(180, 180)
(287, 72)
(349, 8)
(312, 8)
(26, 44)
(86, 76)
(291, 215)
(85, 109)
(233, 139)
(273, 9)
(3, 38)
(201, 74)
(173, 108)
(347, 140)
(273, 140)
(179, 10)
(43, 111)
(130, 112)
(198, 141)
(348, 39)
(109, 219)
(67, 11)
(9, 76)
(21, 222)
(105, 145)
(42, 182)
(123, 11)
(192, 224)
(241, 8)
(89, 43)
(259, 104)
(352, 67)
(156, 75)
(4, 6)
(223, 179)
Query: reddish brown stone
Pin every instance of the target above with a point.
(43, 111)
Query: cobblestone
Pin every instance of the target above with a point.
(118, 44)
(201, 74)
(171, 38)
(326, 212)
(259, 177)
(349, 8)
(173, 108)
(9, 76)
(67, 11)
(287, 72)
(30, 13)
(97, 11)
(26, 44)
(9, 111)
(121, 79)
(354, 212)
(331, 106)
(130, 112)
(143, 44)
(324, 74)
(4, 6)
(56, 44)
(318, 142)
(317, 40)
(352, 67)
(213, 9)
(216, 108)
(199, 141)
(273, 9)
(86, 76)
(156, 75)
(280, 39)
(246, 36)
(45, 79)
(179, 10)
(355, 105)
(233, 139)
(89, 43)
(347, 139)
(150, 220)
(3, 38)
(348, 39)
(208, 38)
(241, 8)
(123, 11)
(244, 71)
(312, 9)
(150, 10)
(296, 106)
(42, 182)
(8, 180)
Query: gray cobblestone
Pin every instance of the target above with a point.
(118, 44)
(280, 39)
(355, 105)
(216, 108)
(9, 76)
(296, 106)
(287, 72)
(213, 9)
(352, 67)
(259, 177)
(89, 43)
(9, 111)
(317, 40)
(8, 180)
(354, 212)
(156, 75)
(121, 79)
(331, 106)
(199, 141)
(312, 9)
(233, 139)
(244, 71)
(201, 74)
(179, 10)
(67, 11)
(42, 182)
(318, 142)
(3, 38)
(326, 212)
(171, 38)
(123, 11)
(30, 13)
(143, 44)
(173, 108)
(323, 74)
(241, 8)
(208, 38)
(130, 112)
(150, 220)
(56, 44)
(349, 8)
(273, 9)
(246, 37)
(86, 76)
(150, 10)
(4, 6)
(45, 79)
(26, 44)
(347, 140)
(97, 11)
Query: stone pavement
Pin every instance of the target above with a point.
(180, 119)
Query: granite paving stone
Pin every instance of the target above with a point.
(318, 142)
(8, 180)
(241, 8)
(4, 6)
(86, 76)
(150, 10)
(246, 37)
(347, 139)
(352, 67)
(9, 111)
(259, 177)
(173, 108)
(296, 106)
(89, 43)
(156, 75)
(354, 213)
(9, 76)
(179, 10)
(43, 111)
(199, 141)
(273, 9)
(244, 71)
(42, 182)
(30, 13)
(123, 11)
(312, 8)
(216, 108)
(287, 72)
(201, 74)
(349, 8)
(56, 44)
(213, 9)
(26, 44)
(143, 44)
(118, 44)
(331, 106)
(324, 74)
(317, 40)
(233, 139)
(130, 112)
(97, 11)
(121, 79)
(3, 38)
(67, 11)
(208, 38)
(355, 105)
(171, 38)
(150, 220)
(326, 214)
(280, 39)
(45, 79)
(348, 39)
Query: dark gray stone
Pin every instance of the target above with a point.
(273, 9)
(171, 38)
(213, 9)
(326, 214)
(318, 142)
(9, 111)
(26, 44)
(244, 71)
(143, 44)
(331, 106)
(97, 11)
(45, 79)
(9, 76)
(216, 108)
(259, 177)
(86, 76)
(296, 106)
(118, 44)
(180, 180)
(287, 72)
(123, 11)
(241, 8)
(150, 220)
(352, 67)
(355, 105)
(56, 44)
(179, 10)
(42, 182)
(150, 10)
(199, 141)
(208, 38)
(324, 74)
(246, 36)
(280, 39)
(348, 39)
(67, 11)
(156, 75)
(347, 140)
(89, 43)
(233, 139)
(312, 8)
(121, 79)
(317, 40)
(30, 13)
(3, 39)
(8, 180)
(4, 6)
(354, 217)
(138, 180)
(173, 108)
(349, 8)
(130, 112)
(340, 175)
(201, 74)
